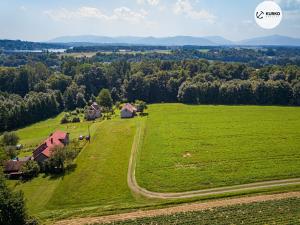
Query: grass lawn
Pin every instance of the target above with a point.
(99, 182)
(189, 147)
(31, 136)
(100, 177)
(285, 211)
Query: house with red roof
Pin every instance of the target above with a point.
(128, 111)
(56, 139)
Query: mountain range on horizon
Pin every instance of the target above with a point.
(275, 40)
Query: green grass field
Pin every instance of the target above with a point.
(98, 185)
(99, 181)
(34, 134)
(189, 147)
(279, 212)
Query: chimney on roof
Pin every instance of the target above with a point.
(51, 140)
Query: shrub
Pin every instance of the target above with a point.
(140, 105)
(10, 138)
(74, 113)
(65, 119)
(76, 120)
(30, 169)
(11, 151)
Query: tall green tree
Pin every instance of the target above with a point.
(104, 98)
(12, 207)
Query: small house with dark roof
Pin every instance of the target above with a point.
(93, 112)
(128, 111)
(56, 139)
(12, 168)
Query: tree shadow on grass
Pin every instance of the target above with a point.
(142, 114)
(60, 174)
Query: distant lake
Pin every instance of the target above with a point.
(55, 50)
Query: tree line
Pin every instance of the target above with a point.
(35, 91)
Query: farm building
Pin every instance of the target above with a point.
(12, 168)
(44, 151)
(93, 112)
(128, 111)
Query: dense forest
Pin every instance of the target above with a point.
(256, 57)
(48, 84)
(27, 45)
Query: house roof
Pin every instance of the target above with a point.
(13, 166)
(53, 141)
(129, 107)
(95, 106)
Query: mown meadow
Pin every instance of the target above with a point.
(188, 147)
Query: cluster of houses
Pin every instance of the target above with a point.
(40, 154)
(60, 139)
(94, 111)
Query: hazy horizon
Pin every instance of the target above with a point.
(34, 20)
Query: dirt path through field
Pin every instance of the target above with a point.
(133, 185)
(178, 209)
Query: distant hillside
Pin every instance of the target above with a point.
(272, 40)
(166, 41)
(219, 40)
(178, 40)
(93, 40)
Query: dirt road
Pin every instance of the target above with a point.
(177, 209)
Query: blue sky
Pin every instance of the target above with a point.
(41, 20)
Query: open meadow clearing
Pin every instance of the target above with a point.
(188, 147)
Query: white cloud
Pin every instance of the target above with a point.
(121, 13)
(124, 13)
(150, 2)
(184, 7)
